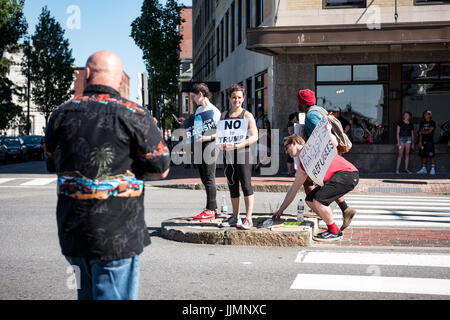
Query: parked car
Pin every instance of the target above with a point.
(3, 153)
(35, 146)
(15, 148)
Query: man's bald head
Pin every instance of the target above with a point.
(104, 68)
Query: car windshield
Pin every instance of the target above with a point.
(32, 140)
(9, 142)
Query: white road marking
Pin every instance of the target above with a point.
(333, 282)
(39, 182)
(4, 180)
(374, 258)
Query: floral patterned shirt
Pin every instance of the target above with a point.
(101, 146)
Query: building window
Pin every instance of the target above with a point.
(259, 12)
(233, 26)
(250, 95)
(217, 46)
(425, 2)
(248, 14)
(227, 33)
(222, 49)
(426, 86)
(185, 106)
(330, 4)
(361, 92)
(239, 37)
(261, 91)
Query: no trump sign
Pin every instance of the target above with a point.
(318, 152)
(232, 131)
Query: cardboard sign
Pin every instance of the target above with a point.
(231, 131)
(318, 152)
(199, 125)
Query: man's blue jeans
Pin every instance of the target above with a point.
(107, 279)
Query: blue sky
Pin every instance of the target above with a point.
(103, 25)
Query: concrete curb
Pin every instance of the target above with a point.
(209, 232)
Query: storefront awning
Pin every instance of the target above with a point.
(350, 38)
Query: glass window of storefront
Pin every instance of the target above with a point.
(261, 91)
(344, 4)
(426, 86)
(362, 98)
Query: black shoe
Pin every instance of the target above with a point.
(328, 236)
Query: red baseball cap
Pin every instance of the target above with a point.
(307, 97)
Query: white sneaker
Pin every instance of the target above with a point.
(246, 225)
(422, 171)
(432, 171)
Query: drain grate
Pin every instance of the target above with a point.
(398, 190)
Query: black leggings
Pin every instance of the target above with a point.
(239, 172)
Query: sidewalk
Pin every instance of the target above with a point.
(439, 184)
(208, 232)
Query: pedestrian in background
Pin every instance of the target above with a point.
(336, 112)
(405, 140)
(236, 171)
(426, 142)
(207, 168)
(307, 103)
(102, 146)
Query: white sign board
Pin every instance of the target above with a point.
(318, 152)
(232, 131)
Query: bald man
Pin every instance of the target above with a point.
(102, 147)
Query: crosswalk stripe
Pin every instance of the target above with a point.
(39, 182)
(401, 218)
(4, 180)
(373, 258)
(403, 203)
(390, 197)
(382, 212)
(336, 282)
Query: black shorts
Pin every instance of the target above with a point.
(334, 188)
(428, 149)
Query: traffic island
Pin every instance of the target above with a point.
(210, 232)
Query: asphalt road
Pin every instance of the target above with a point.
(32, 266)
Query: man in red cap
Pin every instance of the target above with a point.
(307, 104)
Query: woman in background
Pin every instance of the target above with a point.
(405, 140)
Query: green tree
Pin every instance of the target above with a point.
(156, 33)
(12, 27)
(51, 65)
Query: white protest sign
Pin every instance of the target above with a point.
(231, 131)
(318, 152)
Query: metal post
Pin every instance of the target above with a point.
(396, 13)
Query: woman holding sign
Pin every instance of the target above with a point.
(238, 164)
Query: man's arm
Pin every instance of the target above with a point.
(290, 196)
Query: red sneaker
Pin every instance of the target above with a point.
(206, 214)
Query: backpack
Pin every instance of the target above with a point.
(344, 143)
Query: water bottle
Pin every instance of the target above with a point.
(223, 207)
(300, 210)
(268, 223)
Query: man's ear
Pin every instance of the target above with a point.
(87, 75)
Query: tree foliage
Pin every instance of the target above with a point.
(51, 65)
(156, 33)
(12, 27)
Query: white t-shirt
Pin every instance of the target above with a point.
(208, 107)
